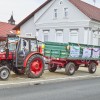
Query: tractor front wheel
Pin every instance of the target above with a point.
(4, 72)
(35, 66)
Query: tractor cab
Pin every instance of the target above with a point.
(25, 46)
(21, 45)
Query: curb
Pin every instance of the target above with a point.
(38, 82)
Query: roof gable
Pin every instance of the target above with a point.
(89, 10)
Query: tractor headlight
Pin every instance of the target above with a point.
(2, 50)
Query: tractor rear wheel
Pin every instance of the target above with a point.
(35, 66)
(52, 67)
(4, 72)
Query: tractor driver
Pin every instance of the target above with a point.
(23, 51)
(24, 47)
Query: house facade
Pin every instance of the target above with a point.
(63, 21)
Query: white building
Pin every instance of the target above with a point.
(63, 21)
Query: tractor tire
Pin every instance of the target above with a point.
(18, 71)
(70, 68)
(52, 68)
(76, 68)
(4, 73)
(92, 68)
(35, 66)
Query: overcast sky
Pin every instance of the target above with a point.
(22, 8)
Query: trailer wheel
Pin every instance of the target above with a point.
(76, 68)
(92, 68)
(4, 72)
(70, 68)
(35, 66)
(17, 71)
(52, 67)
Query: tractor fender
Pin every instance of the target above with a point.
(28, 56)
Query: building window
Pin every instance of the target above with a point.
(65, 12)
(95, 38)
(59, 36)
(74, 35)
(37, 33)
(55, 13)
(98, 37)
(98, 41)
(46, 38)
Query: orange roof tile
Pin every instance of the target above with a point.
(89, 10)
(6, 28)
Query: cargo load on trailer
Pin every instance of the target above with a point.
(72, 51)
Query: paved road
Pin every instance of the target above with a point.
(87, 89)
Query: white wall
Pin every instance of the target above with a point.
(28, 27)
(48, 22)
(44, 20)
(74, 14)
(95, 26)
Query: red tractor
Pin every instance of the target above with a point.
(21, 55)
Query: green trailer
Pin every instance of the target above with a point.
(71, 55)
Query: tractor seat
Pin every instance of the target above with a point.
(21, 57)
